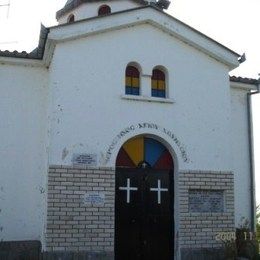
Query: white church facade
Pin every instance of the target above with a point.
(124, 135)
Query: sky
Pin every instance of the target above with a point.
(233, 23)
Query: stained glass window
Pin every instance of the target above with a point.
(132, 81)
(158, 83)
(142, 150)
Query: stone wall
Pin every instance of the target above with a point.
(199, 229)
(73, 225)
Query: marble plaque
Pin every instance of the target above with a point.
(206, 201)
(94, 198)
(85, 159)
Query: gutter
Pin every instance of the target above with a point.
(251, 156)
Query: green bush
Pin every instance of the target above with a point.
(246, 243)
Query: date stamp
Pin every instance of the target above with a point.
(225, 236)
(229, 236)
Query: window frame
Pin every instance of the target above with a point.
(71, 18)
(132, 89)
(161, 90)
(105, 13)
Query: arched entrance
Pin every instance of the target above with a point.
(144, 226)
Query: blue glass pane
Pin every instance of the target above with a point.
(158, 93)
(152, 150)
(161, 93)
(132, 91)
(128, 90)
(135, 91)
(154, 93)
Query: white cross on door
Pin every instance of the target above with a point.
(159, 190)
(128, 189)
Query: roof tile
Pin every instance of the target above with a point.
(244, 80)
(37, 53)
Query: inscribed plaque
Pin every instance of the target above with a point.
(206, 201)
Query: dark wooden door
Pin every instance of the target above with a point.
(144, 214)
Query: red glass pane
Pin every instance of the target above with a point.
(132, 72)
(158, 75)
(164, 162)
(123, 159)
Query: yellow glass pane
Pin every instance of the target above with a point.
(161, 84)
(135, 149)
(154, 84)
(135, 82)
(128, 81)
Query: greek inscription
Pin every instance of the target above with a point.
(206, 201)
(94, 198)
(146, 125)
(84, 159)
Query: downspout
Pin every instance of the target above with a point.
(251, 156)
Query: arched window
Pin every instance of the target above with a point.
(158, 83)
(104, 9)
(132, 81)
(71, 18)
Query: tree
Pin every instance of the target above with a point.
(258, 223)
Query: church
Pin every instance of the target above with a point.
(124, 137)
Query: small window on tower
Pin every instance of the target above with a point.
(132, 81)
(104, 9)
(71, 18)
(158, 83)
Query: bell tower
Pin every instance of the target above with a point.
(75, 10)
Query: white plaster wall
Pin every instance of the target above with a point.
(240, 154)
(88, 113)
(23, 160)
(88, 10)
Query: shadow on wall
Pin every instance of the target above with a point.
(31, 250)
(20, 250)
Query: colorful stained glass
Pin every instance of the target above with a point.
(135, 149)
(165, 161)
(132, 81)
(141, 150)
(124, 159)
(158, 84)
(153, 150)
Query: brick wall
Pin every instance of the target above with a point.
(73, 225)
(198, 230)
